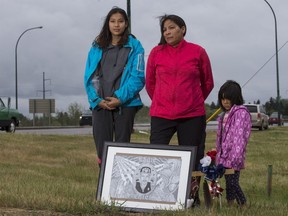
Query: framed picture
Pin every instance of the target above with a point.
(144, 177)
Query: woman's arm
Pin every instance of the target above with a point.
(206, 76)
(150, 74)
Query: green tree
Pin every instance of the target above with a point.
(213, 106)
(74, 112)
(210, 110)
(62, 118)
(285, 107)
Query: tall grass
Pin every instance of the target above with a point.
(57, 175)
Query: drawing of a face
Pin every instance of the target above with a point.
(145, 175)
(145, 179)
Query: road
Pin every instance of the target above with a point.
(85, 130)
(144, 128)
(56, 131)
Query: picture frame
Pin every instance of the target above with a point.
(144, 177)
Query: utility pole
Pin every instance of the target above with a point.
(129, 15)
(44, 90)
(44, 85)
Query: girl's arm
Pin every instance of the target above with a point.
(136, 80)
(93, 97)
(242, 131)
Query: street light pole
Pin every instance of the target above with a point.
(16, 78)
(277, 65)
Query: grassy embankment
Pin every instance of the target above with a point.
(57, 175)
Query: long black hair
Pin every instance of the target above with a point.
(230, 90)
(104, 39)
(176, 19)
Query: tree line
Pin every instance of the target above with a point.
(71, 117)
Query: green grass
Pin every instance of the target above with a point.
(57, 175)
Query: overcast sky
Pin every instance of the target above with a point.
(238, 35)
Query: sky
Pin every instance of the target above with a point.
(238, 35)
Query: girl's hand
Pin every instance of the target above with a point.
(103, 104)
(112, 102)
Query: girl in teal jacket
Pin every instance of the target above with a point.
(114, 76)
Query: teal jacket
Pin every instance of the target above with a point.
(132, 80)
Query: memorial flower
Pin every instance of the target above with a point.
(212, 172)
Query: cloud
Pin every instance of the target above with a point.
(238, 36)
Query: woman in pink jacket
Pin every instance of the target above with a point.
(234, 127)
(178, 80)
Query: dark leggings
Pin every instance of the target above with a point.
(233, 189)
(116, 125)
(190, 132)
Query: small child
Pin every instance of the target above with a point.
(234, 128)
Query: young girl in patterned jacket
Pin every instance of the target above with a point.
(234, 127)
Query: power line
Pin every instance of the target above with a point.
(219, 109)
(263, 65)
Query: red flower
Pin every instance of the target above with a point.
(212, 154)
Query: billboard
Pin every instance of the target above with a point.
(42, 106)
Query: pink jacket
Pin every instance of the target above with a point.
(231, 145)
(178, 80)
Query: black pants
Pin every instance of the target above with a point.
(116, 125)
(190, 132)
(233, 189)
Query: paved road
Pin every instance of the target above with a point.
(144, 128)
(85, 130)
(57, 131)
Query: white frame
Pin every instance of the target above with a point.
(120, 171)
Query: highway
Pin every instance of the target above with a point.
(87, 130)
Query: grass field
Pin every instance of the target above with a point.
(57, 175)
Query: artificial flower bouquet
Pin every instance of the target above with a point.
(212, 172)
